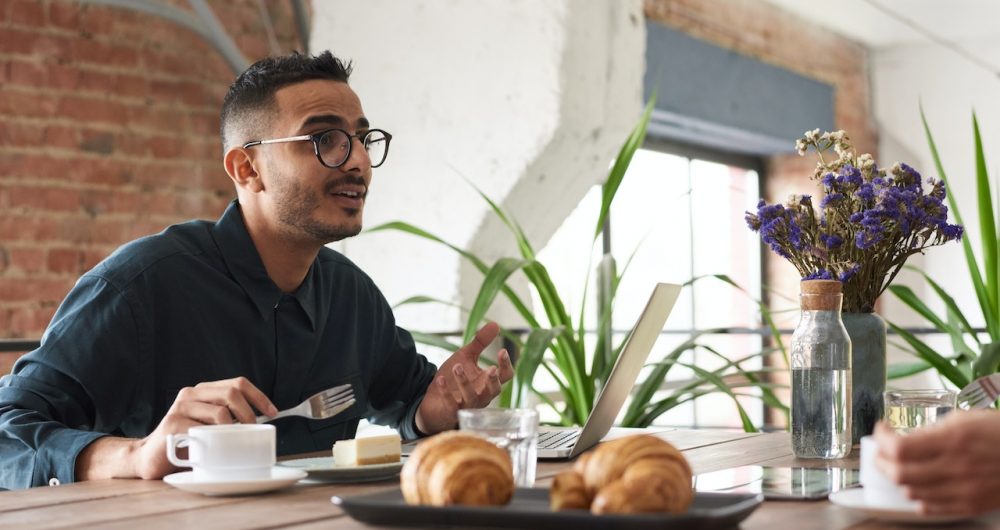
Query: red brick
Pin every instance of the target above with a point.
(65, 15)
(33, 289)
(64, 260)
(22, 227)
(91, 257)
(27, 260)
(132, 86)
(99, 82)
(99, 19)
(91, 110)
(90, 51)
(17, 103)
(21, 134)
(102, 171)
(45, 198)
(27, 73)
(43, 315)
(27, 13)
(61, 136)
(64, 77)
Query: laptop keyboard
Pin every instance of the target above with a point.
(558, 439)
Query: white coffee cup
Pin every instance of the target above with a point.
(226, 452)
(879, 490)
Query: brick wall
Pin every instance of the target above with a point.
(108, 131)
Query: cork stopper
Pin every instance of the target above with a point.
(820, 295)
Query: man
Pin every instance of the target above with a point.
(211, 323)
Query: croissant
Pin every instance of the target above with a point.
(457, 468)
(629, 475)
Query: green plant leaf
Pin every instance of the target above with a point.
(493, 283)
(988, 361)
(987, 224)
(437, 341)
(714, 379)
(622, 161)
(970, 258)
(480, 265)
(643, 394)
(927, 354)
(529, 360)
(954, 313)
(900, 370)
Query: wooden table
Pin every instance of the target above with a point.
(151, 505)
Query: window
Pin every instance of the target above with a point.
(681, 215)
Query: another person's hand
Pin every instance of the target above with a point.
(461, 384)
(950, 467)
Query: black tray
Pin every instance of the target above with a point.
(530, 509)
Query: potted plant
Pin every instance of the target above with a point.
(557, 344)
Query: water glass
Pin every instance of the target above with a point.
(906, 410)
(514, 430)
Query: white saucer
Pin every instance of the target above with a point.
(854, 499)
(281, 477)
(323, 469)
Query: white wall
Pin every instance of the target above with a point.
(528, 100)
(949, 87)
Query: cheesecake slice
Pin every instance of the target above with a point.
(366, 451)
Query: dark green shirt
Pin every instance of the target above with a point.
(194, 304)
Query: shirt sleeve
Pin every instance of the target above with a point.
(402, 377)
(73, 389)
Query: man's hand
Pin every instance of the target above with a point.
(951, 467)
(214, 403)
(461, 384)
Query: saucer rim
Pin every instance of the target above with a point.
(854, 499)
(344, 475)
(187, 478)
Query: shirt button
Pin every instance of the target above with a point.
(53, 481)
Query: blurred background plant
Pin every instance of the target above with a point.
(559, 346)
(975, 352)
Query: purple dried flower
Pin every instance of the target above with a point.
(869, 221)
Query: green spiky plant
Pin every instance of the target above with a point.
(973, 356)
(558, 345)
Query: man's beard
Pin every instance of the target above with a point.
(296, 205)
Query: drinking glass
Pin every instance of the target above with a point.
(514, 430)
(906, 410)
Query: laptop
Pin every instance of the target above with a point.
(562, 442)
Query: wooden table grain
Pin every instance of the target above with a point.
(153, 505)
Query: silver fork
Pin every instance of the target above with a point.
(320, 406)
(981, 393)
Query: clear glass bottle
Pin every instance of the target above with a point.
(821, 374)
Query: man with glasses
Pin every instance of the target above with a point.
(213, 323)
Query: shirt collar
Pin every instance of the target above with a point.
(243, 261)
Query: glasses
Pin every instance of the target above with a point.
(333, 146)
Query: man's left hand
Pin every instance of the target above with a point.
(461, 384)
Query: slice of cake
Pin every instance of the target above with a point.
(366, 451)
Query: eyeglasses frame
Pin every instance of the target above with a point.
(314, 138)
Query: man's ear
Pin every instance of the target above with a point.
(242, 170)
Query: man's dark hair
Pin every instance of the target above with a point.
(249, 104)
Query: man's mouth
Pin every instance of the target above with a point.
(350, 194)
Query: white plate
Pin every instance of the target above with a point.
(854, 499)
(322, 468)
(281, 477)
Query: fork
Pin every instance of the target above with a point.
(320, 406)
(981, 393)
